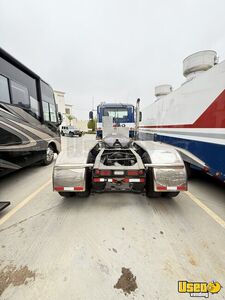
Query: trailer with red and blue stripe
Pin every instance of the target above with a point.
(192, 117)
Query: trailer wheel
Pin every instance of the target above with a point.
(170, 194)
(67, 194)
(149, 186)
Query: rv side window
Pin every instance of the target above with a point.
(52, 113)
(4, 89)
(34, 105)
(46, 111)
(47, 93)
(48, 101)
(20, 94)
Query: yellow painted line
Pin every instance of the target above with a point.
(23, 202)
(211, 213)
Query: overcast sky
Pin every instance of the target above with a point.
(110, 50)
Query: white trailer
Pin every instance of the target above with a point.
(192, 117)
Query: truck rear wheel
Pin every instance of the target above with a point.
(67, 194)
(170, 194)
(87, 191)
(84, 194)
(149, 186)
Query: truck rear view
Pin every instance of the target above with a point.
(116, 163)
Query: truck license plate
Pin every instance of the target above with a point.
(118, 172)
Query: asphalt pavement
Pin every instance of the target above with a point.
(75, 248)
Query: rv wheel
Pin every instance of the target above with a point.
(49, 156)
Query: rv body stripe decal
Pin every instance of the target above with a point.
(32, 142)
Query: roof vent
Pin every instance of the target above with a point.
(162, 90)
(199, 62)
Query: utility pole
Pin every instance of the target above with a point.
(93, 102)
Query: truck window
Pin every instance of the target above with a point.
(118, 114)
(20, 94)
(4, 89)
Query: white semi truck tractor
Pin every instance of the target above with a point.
(118, 163)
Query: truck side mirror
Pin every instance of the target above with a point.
(90, 115)
(60, 118)
(140, 116)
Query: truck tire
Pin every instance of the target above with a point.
(149, 186)
(67, 194)
(170, 194)
(71, 134)
(62, 133)
(188, 170)
(49, 156)
(84, 194)
(88, 180)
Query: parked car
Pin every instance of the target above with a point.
(70, 131)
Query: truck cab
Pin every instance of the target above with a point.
(123, 115)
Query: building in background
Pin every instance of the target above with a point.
(67, 110)
(60, 101)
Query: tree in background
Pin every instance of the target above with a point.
(70, 118)
(92, 124)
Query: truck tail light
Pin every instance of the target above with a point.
(135, 172)
(105, 172)
(97, 179)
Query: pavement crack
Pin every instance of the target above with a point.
(28, 218)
